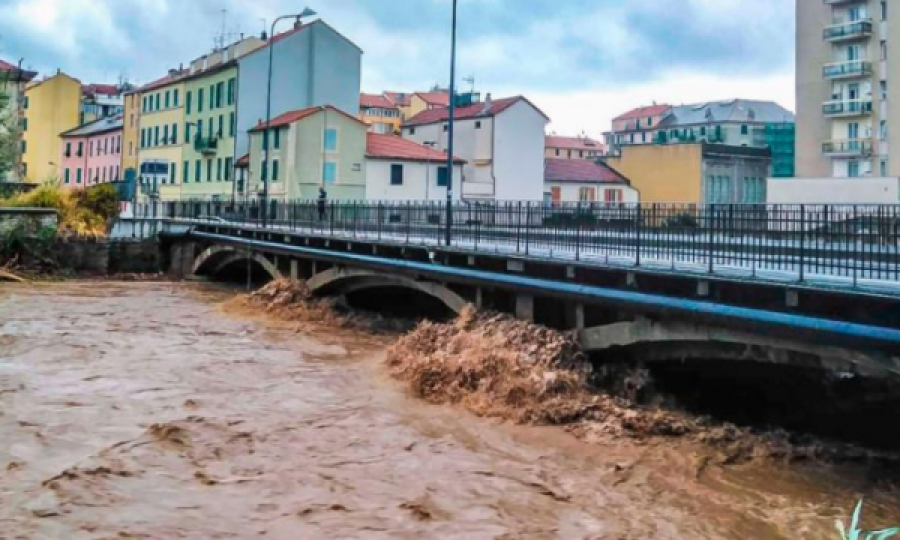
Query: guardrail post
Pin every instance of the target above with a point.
(408, 219)
(379, 215)
(856, 246)
(331, 218)
(711, 225)
(527, 226)
(518, 226)
(802, 241)
(640, 229)
(578, 231)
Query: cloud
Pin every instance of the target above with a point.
(550, 50)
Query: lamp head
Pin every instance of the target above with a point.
(307, 12)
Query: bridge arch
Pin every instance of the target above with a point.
(350, 280)
(216, 258)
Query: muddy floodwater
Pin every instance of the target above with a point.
(147, 411)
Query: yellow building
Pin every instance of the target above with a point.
(161, 136)
(695, 173)
(380, 113)
(425, 101)
(52, 106)
(131, 133)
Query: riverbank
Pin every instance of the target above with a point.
(161, 410)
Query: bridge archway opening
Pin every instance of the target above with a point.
(228, 265)
(730, 384)
(399, 303)
(241, 271)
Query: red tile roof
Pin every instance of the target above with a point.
(393, 147)
(373, 101)
(6, 67)
(290, 117)
(441, 99)
(103, 89)
(644, 112)
(168, 79)
(574, 143)
(402, 99)
(581, 171)
(473, 111)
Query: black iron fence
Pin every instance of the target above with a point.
(843, 243)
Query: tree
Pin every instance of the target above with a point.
(9, 134)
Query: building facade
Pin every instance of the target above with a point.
(100, 101)
(313, 65)
(91, 154)
(502, 142)
(847, 103)
(558, 147)
(52, 106)
(398, 169)
(585, 181)
(637, 126)
(13, 80)
(131, 133)
(161, 129)
(380, 113)
(697, 173)
(426, 101)
(210, 132)
(308, 149)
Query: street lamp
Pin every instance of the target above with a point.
(451, 119)
(307, 12)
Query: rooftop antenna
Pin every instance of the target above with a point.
(471, 80)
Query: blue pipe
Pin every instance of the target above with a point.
(835, 332)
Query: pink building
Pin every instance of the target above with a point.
(91, 154)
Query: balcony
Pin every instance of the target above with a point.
(847, 148)
(838, 2)
(847, 70)
(848, 31)
(206, 145)
(847, 107)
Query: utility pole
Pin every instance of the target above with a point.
(449, 233)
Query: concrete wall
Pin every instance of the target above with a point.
(667, 173)
(33, 219)
(416, 176)
(834, 190)
(315, 66)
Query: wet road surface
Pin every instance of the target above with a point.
(145, 411)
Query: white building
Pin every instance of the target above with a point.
(401, 170)
(582, 180)
(502, 142)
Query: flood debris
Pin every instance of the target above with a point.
(499, 367)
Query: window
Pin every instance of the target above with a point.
(443, 179)
(612, 196)
(587, 194)
(446, 127)
(156, 106)
(650, 121)
(68, 149)
(80, 149)
(229, 165)
(331, 141)
(745, 130)
(187, 103)
(221, 131)
(263, 171)
(276, 135)
(219, 170)
(66, 176)
(168, 99)
(231, 122)
(200, 100)
(156, 136)
(198, 171)
(884, 52)
(412, 131)
(231, 86)
(884, 168)
(185, 172)
(329, 172)
(165, 135)
(209, 170)
(883, 130)
(130, 148)
(557, 152)
(172, 173)
(187, 132)
(212, 97)
(220, 91)
(175, 96)
(396, 174)
(884, 10)
(174, 133)
(884, 90)
(478, 124)
(77, 176)
(274, 170)
(89, 178)
(24, 124)
(853, 169)
(25, 104)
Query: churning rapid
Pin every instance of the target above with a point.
(147, 411)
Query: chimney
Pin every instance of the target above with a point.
(173, 72)
(488, 103)
(264, 36)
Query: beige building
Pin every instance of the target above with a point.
(848, 118)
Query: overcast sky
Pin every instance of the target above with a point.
(581, 61)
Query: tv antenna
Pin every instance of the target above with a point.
(471, 80)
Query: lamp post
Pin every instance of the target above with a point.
(448, 238)
(307, 12)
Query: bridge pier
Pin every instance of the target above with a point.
(525, 307)
(295, 270)
(181, 265)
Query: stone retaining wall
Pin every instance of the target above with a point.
(34, 219)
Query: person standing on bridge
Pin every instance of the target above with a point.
(322, 203)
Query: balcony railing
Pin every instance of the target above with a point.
(847, 147)
(847, 107)
(206, 145)
(849, 30)
(846, 70)
(836, 2)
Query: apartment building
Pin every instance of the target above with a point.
(131, 117)
(558, 147)
(13, 80)
(92, 153)
(160, 145)
(52, 106)
(848, 106)
(502, 142)
(380, 113)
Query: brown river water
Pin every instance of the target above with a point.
(144, 410)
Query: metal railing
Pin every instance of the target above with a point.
(848, 30)
(839, 243)
(206, 145)
(850, 147)
(852, 68)
(847, 107)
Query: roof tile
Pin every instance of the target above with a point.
(380, 146)
(581, 171)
